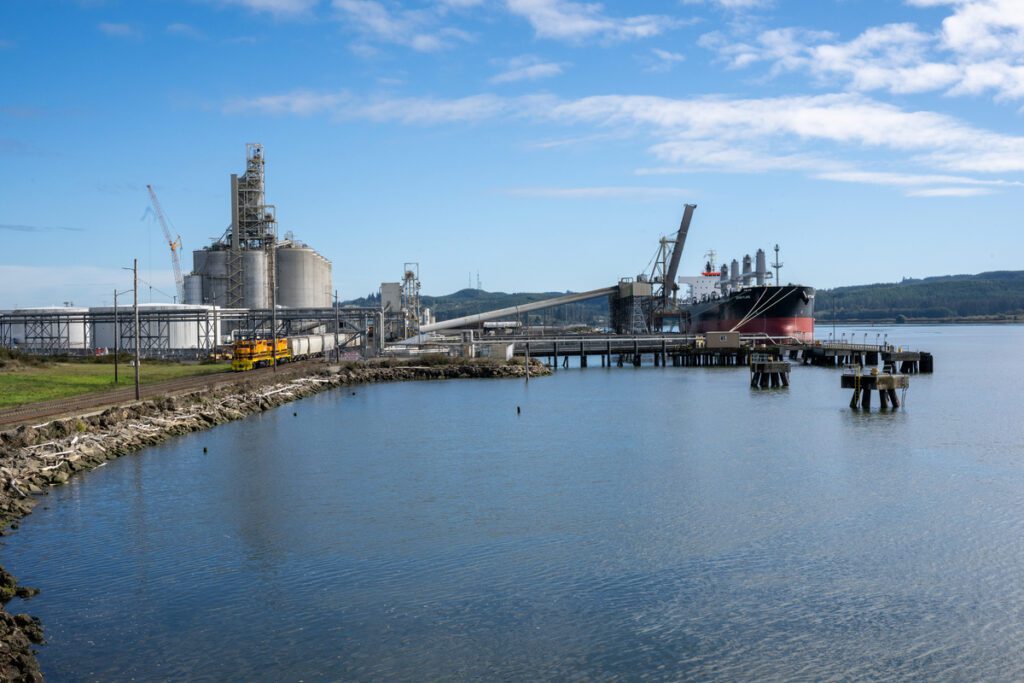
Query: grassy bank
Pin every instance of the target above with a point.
(28, 384)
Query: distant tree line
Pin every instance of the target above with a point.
(998, 294)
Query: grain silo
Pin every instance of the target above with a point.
(236, 272)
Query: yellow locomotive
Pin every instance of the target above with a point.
(258, 353)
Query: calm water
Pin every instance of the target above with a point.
(654, 523)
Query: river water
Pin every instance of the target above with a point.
(659, 523)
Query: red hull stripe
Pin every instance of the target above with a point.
(801, 328)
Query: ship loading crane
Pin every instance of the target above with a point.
(173, 243)
(662, 303)
(669, 285)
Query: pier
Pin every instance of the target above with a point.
(677, 350)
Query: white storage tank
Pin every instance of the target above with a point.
(257, 287)
(51, 328)
(162, 327)
(303, 277)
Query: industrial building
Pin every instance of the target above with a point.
(240, 269)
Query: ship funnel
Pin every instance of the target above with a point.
(760, 268)
(747, 271)
(723, 283)
(734, 279)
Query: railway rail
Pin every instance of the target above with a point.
(33, 413)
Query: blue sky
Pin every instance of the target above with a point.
(545, 144)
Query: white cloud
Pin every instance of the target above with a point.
(343, 106)
(951, 192)
(599, 192)
(277, 8)
(413, 28)
(120, 30)
(814, 134)
(185, 31)
(742, 4)
(297, 102)
(661, 61)
(525, 68)
(909, 179)
(979, 49)
(576, 21)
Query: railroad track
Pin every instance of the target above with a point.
(36, 412)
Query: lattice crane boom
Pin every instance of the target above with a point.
(173, 243)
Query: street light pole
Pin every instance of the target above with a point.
(117, 335)
(273, 300)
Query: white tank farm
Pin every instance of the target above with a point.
(303, 277)
(162, 326)
(51, 327)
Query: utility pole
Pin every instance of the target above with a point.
(273, 300)
(337, 351)
(135, 306)
(117, 335)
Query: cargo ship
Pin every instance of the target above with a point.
(726, 299)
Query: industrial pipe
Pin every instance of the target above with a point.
(516, 310)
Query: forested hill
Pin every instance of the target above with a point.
(998, 295)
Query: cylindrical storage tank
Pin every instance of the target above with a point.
(162, 327)
(747, 271)
(303, 278)
(214, 272)
(734, 280)
(328, 281)
(193, 289)
(17, 332)
(256, 291)
(760, 268)
(53, 328)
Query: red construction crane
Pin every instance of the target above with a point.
(174, 244)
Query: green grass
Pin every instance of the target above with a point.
(60, 380)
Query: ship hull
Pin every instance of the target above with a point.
(776, 311)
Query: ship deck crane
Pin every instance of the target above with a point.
(173, 243)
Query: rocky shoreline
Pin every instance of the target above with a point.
(34, 458)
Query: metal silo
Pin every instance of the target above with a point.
(303, 277)
(257, 287)
(215, 275)
(193, 289)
